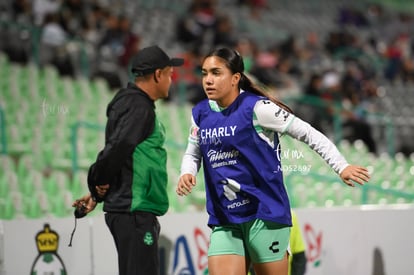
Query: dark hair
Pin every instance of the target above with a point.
(234, 61)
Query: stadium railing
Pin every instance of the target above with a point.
(3, 138)
(377, 118)
(369, 193)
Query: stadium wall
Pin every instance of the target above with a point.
(362, 240)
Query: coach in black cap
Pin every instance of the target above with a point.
(130, 174)
(151, 58)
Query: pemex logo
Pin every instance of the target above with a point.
(47, 261)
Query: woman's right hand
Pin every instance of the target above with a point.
(185, 184)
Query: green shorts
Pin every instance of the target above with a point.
(260, 241)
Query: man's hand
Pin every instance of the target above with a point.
(102, 189)
(85, 202)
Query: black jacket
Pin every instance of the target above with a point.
(131, 117)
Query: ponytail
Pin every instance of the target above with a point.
(247, 85)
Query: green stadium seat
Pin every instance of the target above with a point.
(30, 183)
(4, 186)
(57, 182)
(41, 143)
(7, 209)
(79, 184)
(7, 163)
(18, 141)
(31, 207)
(18, 204)
(27, 186)
(61, 204)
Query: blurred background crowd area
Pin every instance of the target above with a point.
(345, 66)
(358, 54)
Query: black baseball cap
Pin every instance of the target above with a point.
(148, 59)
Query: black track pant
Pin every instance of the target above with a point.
(136, 240)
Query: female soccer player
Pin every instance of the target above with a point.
(234, 135)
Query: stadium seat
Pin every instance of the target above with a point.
(78, 186)
(31, 207)
(7, 163)
(7, 208)
(4, 187)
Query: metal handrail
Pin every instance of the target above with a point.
(3, 137)
(364, 188)
(337, 120)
